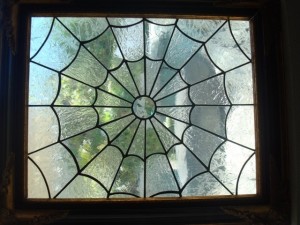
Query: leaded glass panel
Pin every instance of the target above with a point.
(140, 107)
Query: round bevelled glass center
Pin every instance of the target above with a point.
(143, 107)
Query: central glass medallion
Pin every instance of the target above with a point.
(143, 107)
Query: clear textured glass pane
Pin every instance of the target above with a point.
(131, 41)
(180, 98)
(152, 69)
(57, 165)
(240, 125)
(70, 117)
(59, 50)
(159, 175)
(73, 92)
(180, 113)
(166, 137)
(184, 164)
(138, 144)
(211, 118)
(175, 84)
(124, 140)
(209, 92)
(157, 39)
(180, 49)
(114, 87)
(198, 68)
(107, 100)
(85, 28)
(153, 144)
(87, 69)
(42, 128)
(241, 33)
(36, 184)
(199, 29)
(83, 187)
(165, 74)
(43, 85)
(227, 163)
(115, 127)
(137, 71)
(204, 185)
(128, 99)
(106, 50)
(123, 21)
(107, 114)
(162, 21)
(239, 85)
(224, 51)
(130, 178)
(247, 181)
(124, 76)
(40, 28)
(85, 146)
(201, 143)
(105, 166)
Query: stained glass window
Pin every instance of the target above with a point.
(140, 107)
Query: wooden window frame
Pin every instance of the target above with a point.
(271, 204)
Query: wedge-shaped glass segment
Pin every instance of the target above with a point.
(140, 108)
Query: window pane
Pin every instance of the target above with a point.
(140, 108)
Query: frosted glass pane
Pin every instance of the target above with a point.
(87, 69)
(84, 28)
(198, 68)
(211, 118)
(57, 166)
(123, 21)
(105, 166)
(180, 49)
(42, 128)
(209, 92)
(109, 99)
(240, 125)
(107, 114)
(159, 176)
(247, 181)
(239, 85)
(85, 146)
(130, 177)
(131, 41)
(153, 144)
(71, 117)
(73, 92)
(43, 85)
(40, 28)
(36, 184)
(163, 21)
(241, 33)
(137, 71)
(224, 51)
(138, 144)
(184, 164)
(83, 187)
(181, 113)
(157, 39)
(59, 50)
(152, 70)
(180, 98)
(201, 143)
(199, 29)
(204, 185)
(109, 54)
(227, 163)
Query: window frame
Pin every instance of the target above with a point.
(270, 121)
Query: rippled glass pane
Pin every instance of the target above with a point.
(140, 107)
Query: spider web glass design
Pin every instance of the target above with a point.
(140, 107)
